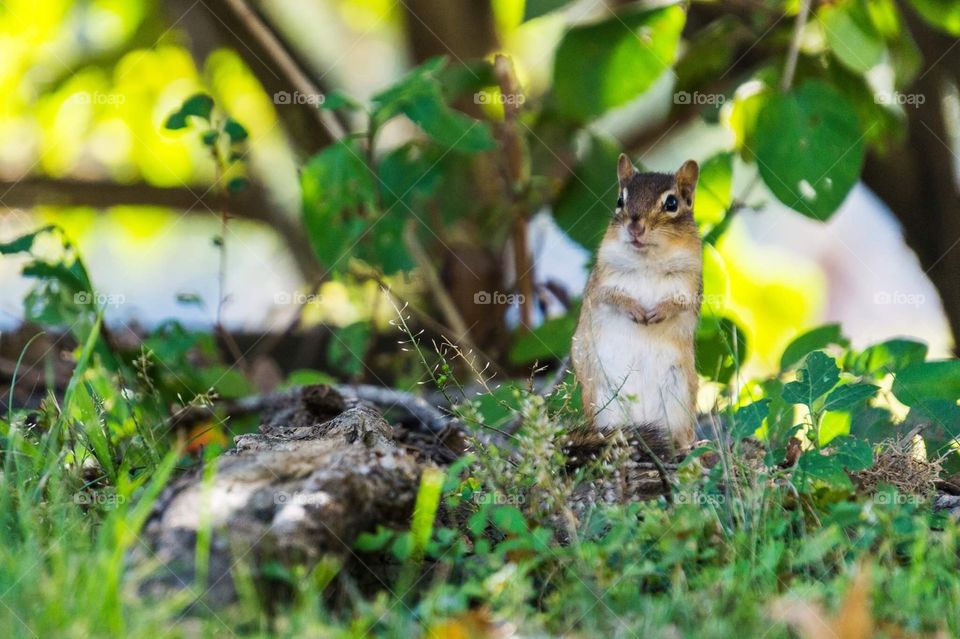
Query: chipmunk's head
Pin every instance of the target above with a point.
(654, 209)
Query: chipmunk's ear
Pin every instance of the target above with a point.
(625, 169)
(687, 177)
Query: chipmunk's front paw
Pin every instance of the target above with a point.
(638, 314)
(659, 313)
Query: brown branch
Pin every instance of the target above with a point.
(252, 204)
(274, 64)
(518, 183)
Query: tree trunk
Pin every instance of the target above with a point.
(917, 178)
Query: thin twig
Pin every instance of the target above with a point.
(794, 53)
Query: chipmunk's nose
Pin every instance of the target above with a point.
(637, 229)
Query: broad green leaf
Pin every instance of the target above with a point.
(942, 14)
(809, 148)
(887, 357)
(585, 206)
(714, 189)
(721, 347)
(419, 96)
(339, 197)
(849, 395)
(536, 8)
(825, 468)
(749, 418)
(851, 35)
(815, 378)
(855, 454)
(833, 425)
(928, 380)
(813, 340)
(606, 64)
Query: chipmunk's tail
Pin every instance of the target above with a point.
(645, 441)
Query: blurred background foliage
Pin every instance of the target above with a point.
(404, 177)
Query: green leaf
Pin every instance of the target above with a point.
(813, 340)
(888, 357)
(176, 120)
(749, 418)
(237, 184)
(714, 189)
(825, 468)
(849, 395)
(235, 131)
(24, 243)
(419, 96)
(855, 454)
(425, 508)
(928, 380)
(585, 205)
(606, 64)
(550, 340)
(815, 378)
(373, 542)
(942, 14)
(199, 105)
(339, 197)
(210, 138)
(851, 35)
(509, 520)
(721, 347)
(809, 148)
(335, 100)
(536, 8)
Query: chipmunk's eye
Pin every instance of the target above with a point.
(620, 202)
(670, 204)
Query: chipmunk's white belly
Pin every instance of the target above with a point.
(642, 379)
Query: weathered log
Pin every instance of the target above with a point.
(301, 489)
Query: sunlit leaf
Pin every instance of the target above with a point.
(604, 65)
(818, 375)
(809, 148)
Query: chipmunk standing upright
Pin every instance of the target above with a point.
(633, 351)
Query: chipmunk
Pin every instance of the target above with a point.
(633, 350)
